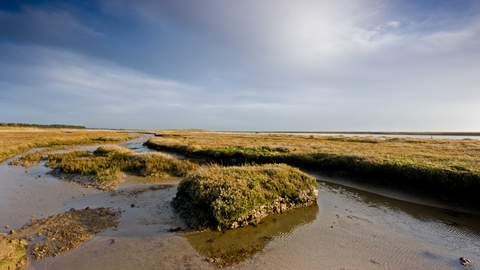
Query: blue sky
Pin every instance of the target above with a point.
(345, 65)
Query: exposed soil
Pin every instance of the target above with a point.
(136, 191)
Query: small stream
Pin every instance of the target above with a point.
(348, 228)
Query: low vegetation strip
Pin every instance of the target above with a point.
(434, 165)
(230, 197)
(107, 161)
(18, 140)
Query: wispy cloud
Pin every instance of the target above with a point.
(347, 64)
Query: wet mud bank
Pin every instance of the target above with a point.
(60, 233)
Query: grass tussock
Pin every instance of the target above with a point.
(107, 161)
(235, 194)
(425, 164)
(16, 140)
(112, 150)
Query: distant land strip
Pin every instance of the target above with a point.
(40, 126)
(372, 132)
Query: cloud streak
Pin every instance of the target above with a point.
(233, 65)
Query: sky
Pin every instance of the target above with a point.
(252, 65)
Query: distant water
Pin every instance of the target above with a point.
(458, 137)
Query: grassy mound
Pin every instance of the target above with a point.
(229, 197)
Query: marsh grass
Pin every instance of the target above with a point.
(112, 150)
(17, 140)
(36, 156)
(444, 165)
(235, 193)
(108, 161)
(31, 158)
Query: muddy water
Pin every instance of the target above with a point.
(348, 228)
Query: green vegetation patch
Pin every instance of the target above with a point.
(112, 150)
(46, 154)
(229, 197)
(107, 161)
(12, 253)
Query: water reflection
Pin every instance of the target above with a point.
(232, 247)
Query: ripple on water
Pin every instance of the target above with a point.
(371, 232)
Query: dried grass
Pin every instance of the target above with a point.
(16, 140)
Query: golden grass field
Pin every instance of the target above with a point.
(450, 163)
(17, 140)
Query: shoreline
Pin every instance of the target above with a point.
(366, 133)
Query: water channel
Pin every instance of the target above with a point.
(352, 226)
